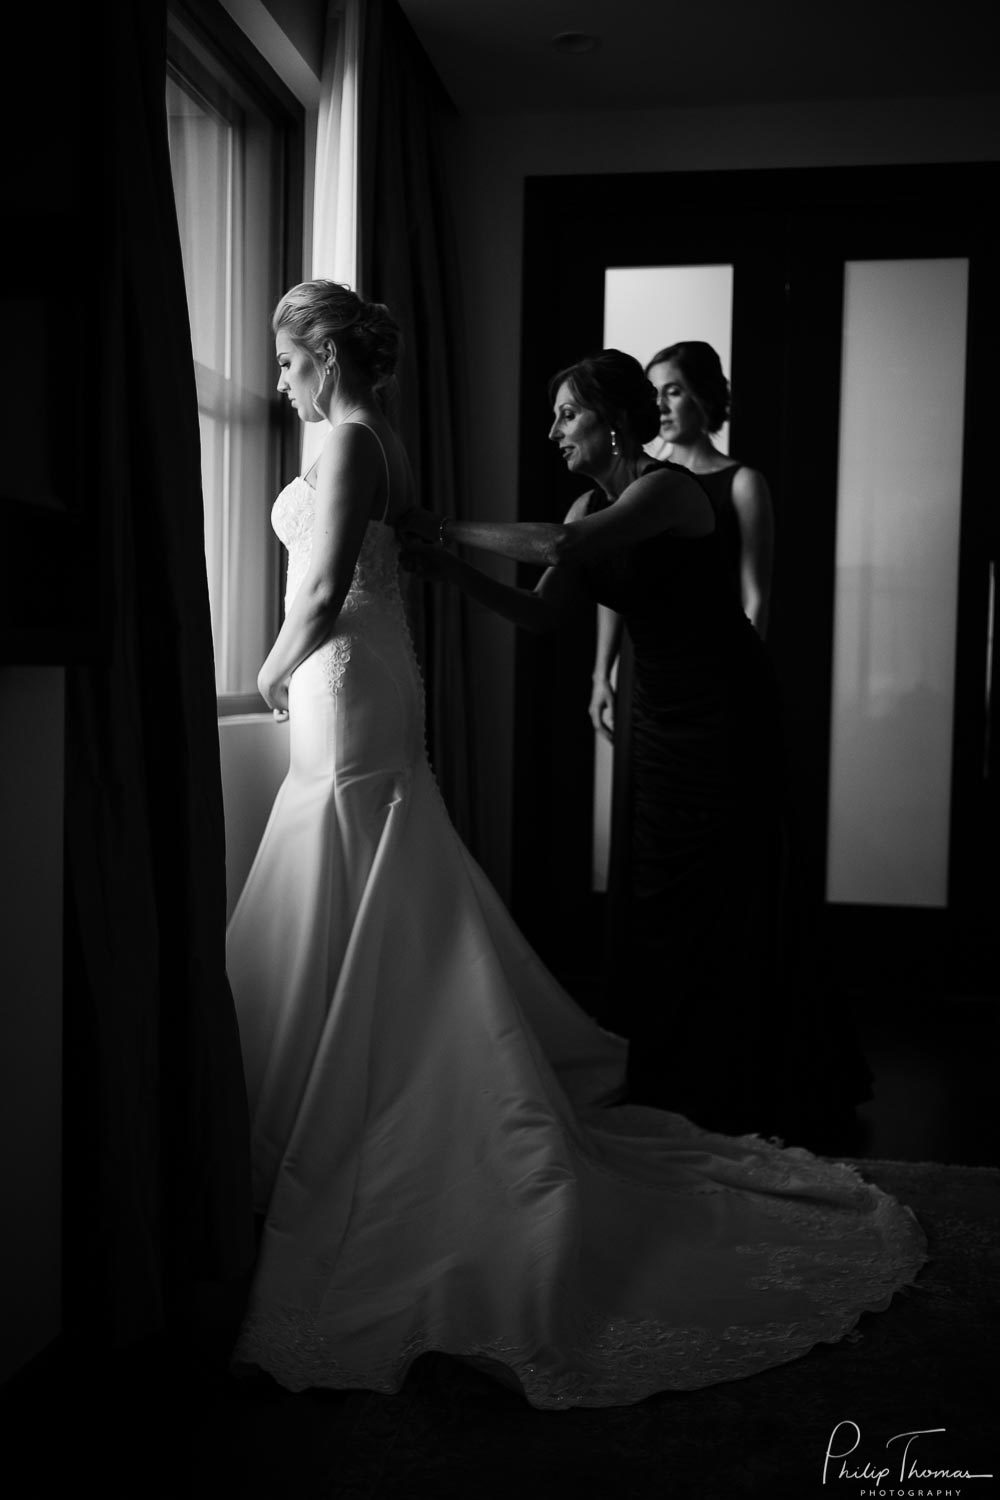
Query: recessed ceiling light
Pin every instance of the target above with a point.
(574, 41)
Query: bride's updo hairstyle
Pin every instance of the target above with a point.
(702, 371)
(615, 386)
(366, 332)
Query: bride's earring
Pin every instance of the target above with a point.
(614, 442)
(330, 370)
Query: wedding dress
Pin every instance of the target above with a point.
(435, 1149)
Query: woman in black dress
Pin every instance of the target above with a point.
(699, 951)
(692, 394)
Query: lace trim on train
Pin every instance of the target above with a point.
(618, 1361)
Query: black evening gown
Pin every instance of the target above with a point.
(719, 488)
(722, 1027)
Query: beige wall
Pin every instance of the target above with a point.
(494, 154)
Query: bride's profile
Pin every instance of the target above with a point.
(437, 1155)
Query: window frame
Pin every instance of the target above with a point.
(217, 33)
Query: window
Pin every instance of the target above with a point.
(235, 137)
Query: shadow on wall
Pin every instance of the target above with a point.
(254, 754)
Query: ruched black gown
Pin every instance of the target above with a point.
(720, 1027)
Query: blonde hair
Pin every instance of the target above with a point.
(366, 332)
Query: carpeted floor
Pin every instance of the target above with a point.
(929, 1362)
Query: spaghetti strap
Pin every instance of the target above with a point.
(385, 460)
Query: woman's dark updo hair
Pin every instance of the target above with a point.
(614, 386)
(365, 331)
(702, 371)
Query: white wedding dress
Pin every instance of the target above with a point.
(433, 1146)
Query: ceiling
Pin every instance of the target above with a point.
(494, 56)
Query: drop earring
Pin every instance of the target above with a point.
(614, 442)
(327, 372)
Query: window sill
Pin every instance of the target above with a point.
(241, 705)
(264, 717)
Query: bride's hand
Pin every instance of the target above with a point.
(602, 709)
(274, 694)
(419, 525)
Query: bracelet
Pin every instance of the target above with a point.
(442, 523)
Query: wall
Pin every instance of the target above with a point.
(31, 870)
(303, 23)
(494, 154)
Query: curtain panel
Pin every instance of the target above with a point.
(335, 197)
(335, 209)
(157, 1150)
(408, 258)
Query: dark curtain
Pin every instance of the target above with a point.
(409, 260)
(158, 1200)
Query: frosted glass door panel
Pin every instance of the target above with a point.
(898, 507)
(648, 307)
(645, 309)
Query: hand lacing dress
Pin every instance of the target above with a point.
(433, 1149)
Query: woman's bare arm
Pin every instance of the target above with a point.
(557, 595)
(663, 500)
(548, 605)
(755, 513)
(602, 695)
(346, 480)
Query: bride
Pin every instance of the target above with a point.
(435, 1151)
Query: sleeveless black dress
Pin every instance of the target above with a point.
(718, 486)
(695, 941)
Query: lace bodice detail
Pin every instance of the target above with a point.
(293, 516)
(374, 587)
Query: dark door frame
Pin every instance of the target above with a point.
(787, 234)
